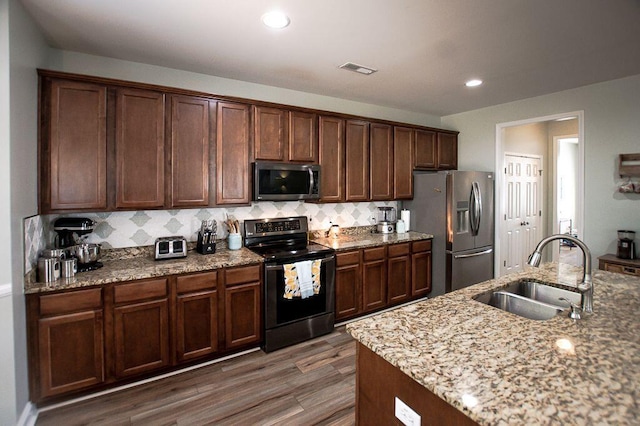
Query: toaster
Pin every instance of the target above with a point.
(170, 247)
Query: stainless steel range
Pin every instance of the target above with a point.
(299, 280)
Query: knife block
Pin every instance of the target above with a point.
(205, 248)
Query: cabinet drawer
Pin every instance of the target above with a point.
(140, 290)
(419, 246)
(398, 249)
(75, 301)
(348, 258)
(376, 253)
(621, 269)
(243, 274)
(190, 283)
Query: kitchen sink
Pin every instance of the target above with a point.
(530, 299)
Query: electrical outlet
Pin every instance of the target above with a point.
(405, 414)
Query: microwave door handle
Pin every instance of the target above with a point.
(311, 181)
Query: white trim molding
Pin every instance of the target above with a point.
(5, 290)
(29, 415)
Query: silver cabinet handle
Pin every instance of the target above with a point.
(464, 256)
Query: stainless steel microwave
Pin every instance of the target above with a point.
(285, 181)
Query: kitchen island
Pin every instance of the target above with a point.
(489, 366)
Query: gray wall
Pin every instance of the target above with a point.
(611, 127)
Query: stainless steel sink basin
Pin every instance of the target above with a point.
(530, 299)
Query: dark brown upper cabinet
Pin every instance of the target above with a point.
(139, 149)
(381, 162)
(447, 151)
(331, 159)
(357, 160)
(188, 151)
(403, 146)
(435, 150)
(73, 148)
(281, 135)
(232, 153)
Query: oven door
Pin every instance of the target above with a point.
(280, 311)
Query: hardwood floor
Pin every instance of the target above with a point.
(312, 383)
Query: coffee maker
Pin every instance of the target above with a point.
(626, 244)
(69, 229)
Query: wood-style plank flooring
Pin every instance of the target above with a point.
(312, 383)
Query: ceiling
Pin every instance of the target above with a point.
(424, 50)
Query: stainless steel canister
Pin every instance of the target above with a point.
(69, 267)
(48, 269)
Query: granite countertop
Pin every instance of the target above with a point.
(369, 239)
(141, 264)
(499, 368)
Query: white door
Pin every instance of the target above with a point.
(522, 211)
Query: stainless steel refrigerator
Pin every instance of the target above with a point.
(457, 208)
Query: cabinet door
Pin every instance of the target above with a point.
(348, 285)
(70, 352)
(357, 160)
(196, 316)
(141, 327)
(74, 160)
(270, 127)
(139, 149)
(381, 161)
(447, 151)
(426, 151)
(189, 152)
(303, 137)
(242, 311)
(232, 154)
(420, 274)
(331, 131)
(374, 279)
(399, 277)
(403, 141)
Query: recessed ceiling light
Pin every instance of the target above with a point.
(358, 68)
(275, 19)
(473, 83)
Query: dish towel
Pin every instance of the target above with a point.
(302, 279)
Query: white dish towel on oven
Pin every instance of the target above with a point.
(305, 278)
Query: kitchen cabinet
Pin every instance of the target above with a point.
(66, 348)
(331, 159)
(303, 137)
(420, 268)
(403, 146)
(399, 273)
(374, 278)
(73, 147)
(348, 284)
(243, 306)
(139, 148)
(232, 154)
(270, 133)
(196, 316)
(357, 160)
(140, 327)
(435, 150)
(189, 143)
(381, 162)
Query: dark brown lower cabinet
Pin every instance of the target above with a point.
(348, 284)
(69, 343)
(374, 278)
(399, 274)
(420, 268)
(196, 316)
(243, 313)
(141, 327)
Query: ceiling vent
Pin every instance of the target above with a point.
(358, 68)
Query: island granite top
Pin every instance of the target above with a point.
(499, 368)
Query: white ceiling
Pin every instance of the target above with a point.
(424, 49)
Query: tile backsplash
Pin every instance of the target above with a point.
(141, 228)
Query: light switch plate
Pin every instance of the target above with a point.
(405, 414)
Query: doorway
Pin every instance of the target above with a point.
(538, 137)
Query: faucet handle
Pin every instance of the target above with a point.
(576, 310)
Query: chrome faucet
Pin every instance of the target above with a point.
(586, 286)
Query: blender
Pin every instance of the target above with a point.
(386, 220)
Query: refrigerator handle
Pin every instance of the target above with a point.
(480, 253)
(476, 208)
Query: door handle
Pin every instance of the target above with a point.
(464, 256)
(524, 223)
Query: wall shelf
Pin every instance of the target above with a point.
(629, 165)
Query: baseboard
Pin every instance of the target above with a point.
(29, 415)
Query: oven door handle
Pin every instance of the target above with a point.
(276, 266)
